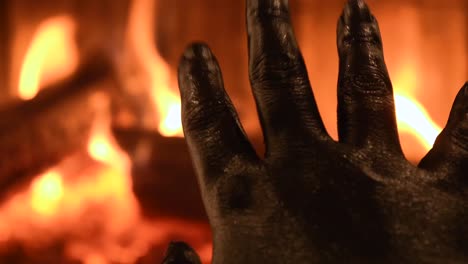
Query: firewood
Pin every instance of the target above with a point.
(163, 178)
(37, 134)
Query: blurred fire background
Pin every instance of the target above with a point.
(93, 167)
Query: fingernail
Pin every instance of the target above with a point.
(197, 51)
(197, 71)
(197, 60)
(356, 12)
(267, 5)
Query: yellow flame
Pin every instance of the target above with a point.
(47, 191)
(103, 148)
(170, 125)
(99, 148)
(102, 145)
(51, 56)
(164, 96)
(413, 118)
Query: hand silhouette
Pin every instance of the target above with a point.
(312, 199)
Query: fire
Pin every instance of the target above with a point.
(101, 145)
(412, 118)
(46, 193)
(166, 99)
(87, 199)
(170, 125)
(51, 56)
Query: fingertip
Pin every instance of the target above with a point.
(463, 106)
(196, 54)
(460, 106)
(180, 253)
(357, 25)
(450, 151)
(267, 5)
(265, 11)
(464, 90)
(197, 50)
(198, 70)
(356, 12)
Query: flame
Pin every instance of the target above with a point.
(102, 146)
(88, 198)
(95, 209)
(46, 193)
(412, 117)
(51, 56)
(165, 98)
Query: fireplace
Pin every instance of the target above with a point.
(93, 166)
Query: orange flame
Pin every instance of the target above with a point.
(95, 192)
(51, 56)
(413, 119)
(166, 100)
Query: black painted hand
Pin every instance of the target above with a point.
(180, 253)
(311, 199)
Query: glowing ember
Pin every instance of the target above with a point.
(47, 191)
(164, 95)
(51, 56)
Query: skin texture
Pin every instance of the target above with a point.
(311, 199)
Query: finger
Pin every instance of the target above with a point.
(213, 132)
(449, 155)
(180, 253)
(278, 74)
(366, 111)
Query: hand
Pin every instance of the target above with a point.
(311, 199)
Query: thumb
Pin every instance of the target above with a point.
(180, 253)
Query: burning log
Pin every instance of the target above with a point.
(163, 178)
(37, 134)
(164, 181)
(15, 253)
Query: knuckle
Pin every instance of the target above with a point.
(235, 190)
(270, 70)
(370, 81)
